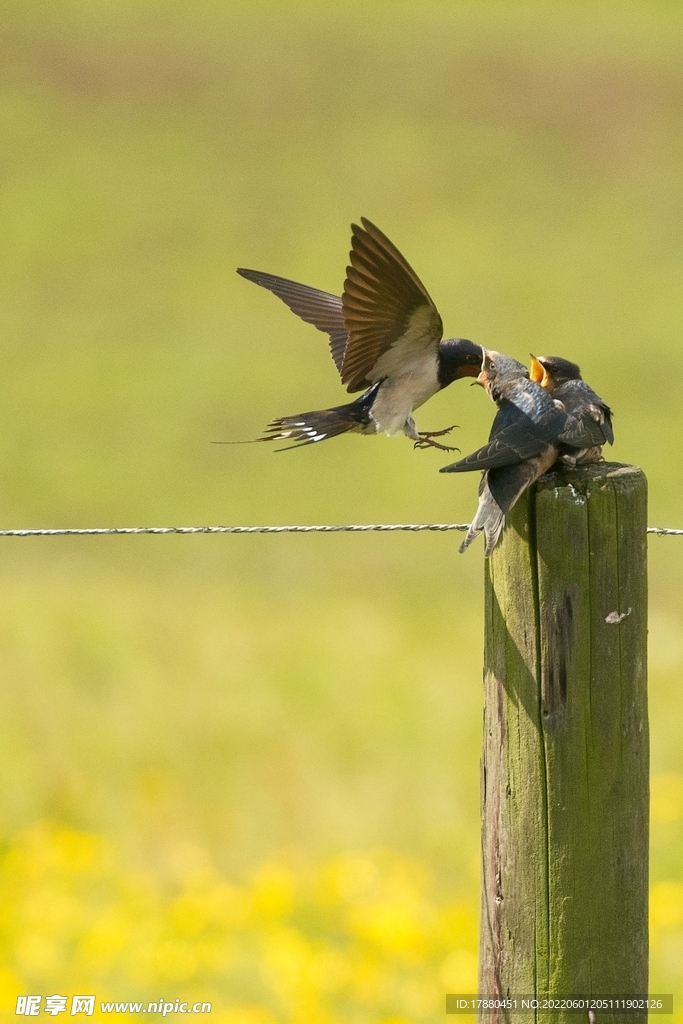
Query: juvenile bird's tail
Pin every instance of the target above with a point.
(499, 491)
(321, 424)
(489, 519)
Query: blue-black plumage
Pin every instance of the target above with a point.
(386, 340)
(551, 415)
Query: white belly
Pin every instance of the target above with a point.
(400, 394)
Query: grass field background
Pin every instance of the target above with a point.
(246, 768)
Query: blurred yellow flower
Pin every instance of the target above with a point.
(458, 972)
(358, 936)
(458, 924)
(286, 956)
(218, 905)
(666, 797)
(394, 926)
(37, 955)
(422, 997)
(10, 985)
(330, 970)
(666, 905)
(244, 1015)
(350, 878)
(104, 940)
(272, 891)
(368, 982)
(45, 850)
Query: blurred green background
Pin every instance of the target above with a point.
(246, 701)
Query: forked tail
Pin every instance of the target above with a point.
(321, 424)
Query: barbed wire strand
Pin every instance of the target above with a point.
(661, 531)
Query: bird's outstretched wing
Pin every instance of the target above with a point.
(387, 310)
(506, 450)
(316, 307)
(515, 436)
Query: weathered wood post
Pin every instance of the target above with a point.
(565, 758)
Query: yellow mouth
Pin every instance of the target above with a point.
(538, 373)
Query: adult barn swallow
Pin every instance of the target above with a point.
(528, 434)
(385, 339)
(562, 380)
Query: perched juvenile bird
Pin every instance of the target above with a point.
(528, 435)
(385, 338)
(562, 380)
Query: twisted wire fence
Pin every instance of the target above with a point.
(660, 531)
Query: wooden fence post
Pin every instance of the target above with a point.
(565, 758)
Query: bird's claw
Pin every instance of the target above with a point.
(426, 442)
(436, 433)
(425, 439)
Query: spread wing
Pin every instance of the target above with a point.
(506, 450)
(321, 309)
(515, 437)
(386, 307)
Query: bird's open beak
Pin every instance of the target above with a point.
(537, 372)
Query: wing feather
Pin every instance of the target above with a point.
(316, 307)
(382, 294)
(590, 421)
(515, 437)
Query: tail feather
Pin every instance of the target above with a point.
(489, 519)
(310, 427)
(499, 491)
(321, 424)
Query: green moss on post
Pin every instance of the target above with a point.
(565, 758)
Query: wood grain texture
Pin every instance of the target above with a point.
(565, 757)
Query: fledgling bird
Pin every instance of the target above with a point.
(528, 435)
(562, 380)
(385, 339)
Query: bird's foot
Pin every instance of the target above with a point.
(427, 442)
(425, 439)
(437, 433)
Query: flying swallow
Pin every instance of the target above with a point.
(562, 380)
(528, 434)
(385, 339)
